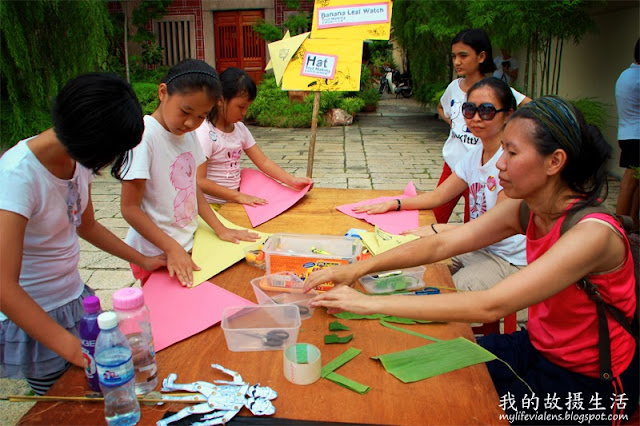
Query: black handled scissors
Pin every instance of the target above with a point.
(273, 338)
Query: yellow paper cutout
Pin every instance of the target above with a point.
(352, 19)
(270, 64)
(214, 255)
(346, 56)
(282, 51)
(380, 241)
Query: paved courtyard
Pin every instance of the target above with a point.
(381, 150)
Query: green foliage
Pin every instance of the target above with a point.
(351, 105)
(147, 95)
(369, 96)
(268, 31)
(594, 111)
(146, 11)
(44, 44)
(381, 53)
(297, 23)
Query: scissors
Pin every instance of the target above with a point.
(273, 338)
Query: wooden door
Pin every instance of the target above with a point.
(237, 45)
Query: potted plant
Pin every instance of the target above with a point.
(370, 97)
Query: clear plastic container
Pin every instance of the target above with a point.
(282, 288)
(408, 279)
(302, 254)
(135, 323)
(260, 327)
(116, 373)
(254, 256)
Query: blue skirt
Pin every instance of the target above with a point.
(21, 356)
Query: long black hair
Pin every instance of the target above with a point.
(235, 83)
(479, 42)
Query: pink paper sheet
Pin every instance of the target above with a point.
(280, 197)
(179, 312)
(392, 222)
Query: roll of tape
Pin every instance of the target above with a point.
(302, 363)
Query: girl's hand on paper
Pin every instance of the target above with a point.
(250, 200)
(180, 265)
(151, 263)
(300, 182)
(423, 231)
(377, 208)
(344, 298)
(237, 235)
(339, 275)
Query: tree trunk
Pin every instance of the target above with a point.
(534, 65)
(126, 43)
(554, 83)
(559, 65)
(526, 69)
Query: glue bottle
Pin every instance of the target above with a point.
(89, 331)
(135, 323)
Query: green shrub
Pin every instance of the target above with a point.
(594, 111)
(13, 131)
(369, 96)
(351, 105)
(147, 95)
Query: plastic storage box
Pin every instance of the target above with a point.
(408, 279)
(281, 288)
(260, 327)
(302, 254)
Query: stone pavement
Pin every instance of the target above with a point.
(383, 150)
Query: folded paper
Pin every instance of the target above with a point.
(380, 241)
(282, 51)
(394, 222)
(214, 255)
(279, 197)
(334, 338)
(179, 312)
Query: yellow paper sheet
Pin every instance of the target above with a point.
(352, 19)
(380, 241)
(214, 255)
(342, 73)
(282, 51)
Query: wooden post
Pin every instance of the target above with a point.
(314, 128)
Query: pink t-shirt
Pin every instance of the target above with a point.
(223, 152)
(564, 327)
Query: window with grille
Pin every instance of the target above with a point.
(177, 37)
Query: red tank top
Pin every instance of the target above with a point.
(564, 327)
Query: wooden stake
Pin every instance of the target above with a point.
(314, 127)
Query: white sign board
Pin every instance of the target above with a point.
(359, 14)
(319, 65)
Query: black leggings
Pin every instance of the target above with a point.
(41, 385)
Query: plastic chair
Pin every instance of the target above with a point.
(510, 325)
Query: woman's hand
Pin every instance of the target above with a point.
(339, 275)
(377, 208)
(250, 200)
(180, 264)
(423, 231)
(151, 263)
(300, 182)
(344, 298)
(237, 235)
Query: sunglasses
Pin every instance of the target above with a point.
(485, 111)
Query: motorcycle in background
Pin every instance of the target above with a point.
(394, 82)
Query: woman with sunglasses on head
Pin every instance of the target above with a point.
(490, 104)
(572, 353)
(471, 55)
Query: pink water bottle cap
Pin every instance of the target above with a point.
(128, 298)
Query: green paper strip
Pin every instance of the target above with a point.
(388, 318)
(337, 326)
(339, 361)
(333, 338)
(302, 353)
(433, 359)
(413, 333)
(345, 382)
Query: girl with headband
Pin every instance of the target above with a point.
(160, 198)
(556, 165)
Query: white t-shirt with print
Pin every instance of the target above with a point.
(223, 152)
(499, 72)
(484, 187)
(53, 207)
(168, 164)
(460, 139)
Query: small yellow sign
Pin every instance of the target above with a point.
(325, 65)
(357, 19)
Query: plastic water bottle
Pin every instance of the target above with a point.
(135, 323)
(89, 331)
(115, 370)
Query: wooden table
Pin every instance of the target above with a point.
(465, 396)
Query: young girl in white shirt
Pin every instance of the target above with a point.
(160, 198)
(223, 137)
(45, 204)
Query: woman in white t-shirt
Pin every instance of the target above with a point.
(45, 205)
(224, 137)
(490, 103)
(471, 55)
